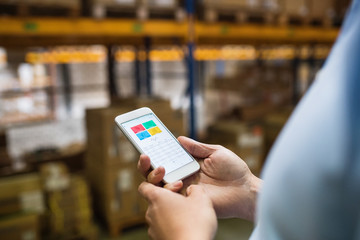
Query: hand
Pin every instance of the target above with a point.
(172, 216)
(225, 177)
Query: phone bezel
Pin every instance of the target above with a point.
(173, 176)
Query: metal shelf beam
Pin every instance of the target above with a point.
(90, 31)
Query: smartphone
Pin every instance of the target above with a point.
(150, 136)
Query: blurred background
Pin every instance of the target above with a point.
(227, 72)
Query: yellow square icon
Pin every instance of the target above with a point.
(154, 130)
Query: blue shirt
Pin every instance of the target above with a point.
(312, 177)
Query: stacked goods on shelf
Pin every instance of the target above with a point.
(88, 87)
(21, 206)
(27, 97)
(294, 8)
(40, 138)
(307, 11)
(246, 140)
(41, 7)
(69, 205)
(141, 9)
(241, 10)
(111, 162)
(322, 11)
(247, 91)
(169, 80)
(125, 71)
(105, 8)
(273, 124)
(164, 9)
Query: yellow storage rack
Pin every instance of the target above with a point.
(51, 31)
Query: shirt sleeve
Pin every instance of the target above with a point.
(312, 175)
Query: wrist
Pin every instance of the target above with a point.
(248, 201)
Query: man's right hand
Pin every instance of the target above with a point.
(224, 176)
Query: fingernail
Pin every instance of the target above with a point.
(177, 184)
(157, 171)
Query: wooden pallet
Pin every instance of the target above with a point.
(285, 20)
(25, 9)
(117, 227)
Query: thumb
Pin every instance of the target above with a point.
(148, 191)
(197, 149)
(195, 192)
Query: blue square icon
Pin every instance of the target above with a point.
(142, 135)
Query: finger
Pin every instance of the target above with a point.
(174, 187)
(151, 233)
(144, 165)
(156, 176)
(197, 149)
(148, 191)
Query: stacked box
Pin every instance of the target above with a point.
(20, 227)
(111, 161)
(246, 140)
(111, 169)
(249, 92)
(21, 194)
(294, 8)
(115, 193)
(69, 204)
(106, 145)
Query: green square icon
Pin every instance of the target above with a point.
(149, 124)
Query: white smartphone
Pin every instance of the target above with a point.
(150, 136)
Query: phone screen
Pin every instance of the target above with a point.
(156, 142)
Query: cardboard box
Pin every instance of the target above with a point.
(21, 193)
(106, 145)
(20, 227)
(246, 140)
(70, 212)
(115, 192)
(294, 8)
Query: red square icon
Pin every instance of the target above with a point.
(138, 128)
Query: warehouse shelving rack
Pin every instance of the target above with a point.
(110, 32)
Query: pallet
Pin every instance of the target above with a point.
(117, 227)
(286, 20)
(30, 9)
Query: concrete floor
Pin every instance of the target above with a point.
(228, 229)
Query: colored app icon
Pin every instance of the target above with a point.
(149, 124)
(143, 135)
(154, 130)
(138, 128)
